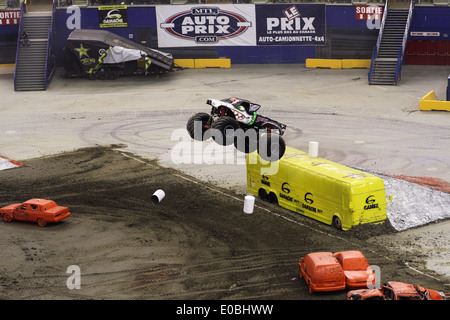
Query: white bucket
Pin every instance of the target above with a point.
(313, 149)
(249, 204)
(158, 196)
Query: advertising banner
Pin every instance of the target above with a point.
(112, 16)
(299, 25)
(9, 17)
(206, 25)
(366, 12)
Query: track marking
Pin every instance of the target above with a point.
(418, 271)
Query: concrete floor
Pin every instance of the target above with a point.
(378, 128)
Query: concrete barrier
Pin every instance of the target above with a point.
(185, 63)
(324, 63)
(338, 63)
(7, 68)
(203, 63)
(212, 63)
(429, 102)
(355, 63)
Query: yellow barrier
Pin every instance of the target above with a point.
(356, 63)
(203, 63)
(429, 102)
(324, 63)
(185, 63)
(7, 68)
(212, 63)
(338, 63)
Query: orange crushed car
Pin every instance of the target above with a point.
(357, 270)
(322, 272)
(365, 294)
(325, 271)
(41, 211)
(394, 290)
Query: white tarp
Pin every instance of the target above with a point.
(206, 25)
(414, 205)
(8, 164)
(119, 54)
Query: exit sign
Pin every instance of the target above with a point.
(368, 12)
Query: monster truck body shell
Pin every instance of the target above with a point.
(245, 114)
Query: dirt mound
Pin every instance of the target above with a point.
(196, 244)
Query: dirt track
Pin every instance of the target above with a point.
(196, 244)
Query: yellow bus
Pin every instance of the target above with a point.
(318, 188)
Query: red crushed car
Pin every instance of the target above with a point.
(41, 211)
(365, 294)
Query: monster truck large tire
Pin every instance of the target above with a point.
(271, 146)
(246, 141)
(225, 128)
(190, 126)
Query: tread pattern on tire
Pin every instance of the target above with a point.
(190, 126)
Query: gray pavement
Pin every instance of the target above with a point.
(377, 128)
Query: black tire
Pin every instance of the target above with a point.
(225, 128)
(262, 194)
(272, 198)
(201, 117)
(337, 223)
(246, 141)
(271, 147)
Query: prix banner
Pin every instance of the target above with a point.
(299, 25)
(206, 25)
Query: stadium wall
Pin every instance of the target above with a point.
(346, 37)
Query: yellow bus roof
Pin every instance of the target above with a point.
(326, 167)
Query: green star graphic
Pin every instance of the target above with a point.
(82, 51)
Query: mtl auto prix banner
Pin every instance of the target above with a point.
(206, 25)
(299, 25)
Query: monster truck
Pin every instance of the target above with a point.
(235, 120)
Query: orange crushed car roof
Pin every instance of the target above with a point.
(351, 254)
(322, 258)
(42, 202)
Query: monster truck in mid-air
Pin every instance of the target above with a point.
(235, 120)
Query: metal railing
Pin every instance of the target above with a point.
(377, 46)
(23, 9)
(50, 60)
(401, 54)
